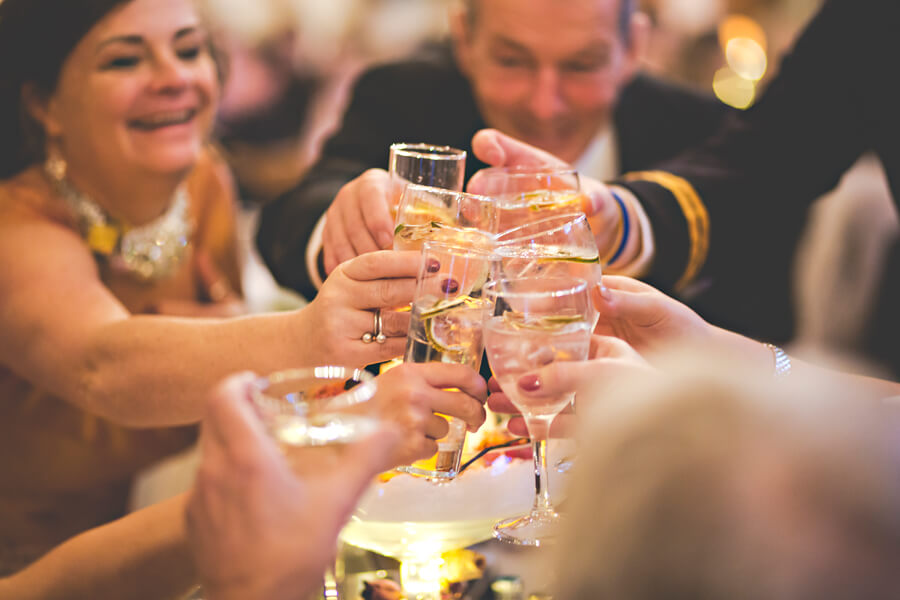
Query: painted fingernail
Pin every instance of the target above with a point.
(449, 286)
(530, 383)
(432, 265)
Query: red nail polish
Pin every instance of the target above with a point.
(530, 383)
(449, 286)
(432, 265)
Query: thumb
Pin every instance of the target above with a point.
(500, 150)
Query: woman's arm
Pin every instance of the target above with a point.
(142, 555)
(649, 321)
(64, 331)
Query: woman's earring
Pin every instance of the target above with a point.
(55, 166)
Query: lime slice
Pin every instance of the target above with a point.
(442, 306)
(568, 255)
(544, 199)
(541, 323)
(449, 325)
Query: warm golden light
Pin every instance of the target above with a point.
(746, 58)
(732, 89)
(740, 26)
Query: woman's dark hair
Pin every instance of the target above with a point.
(36, 37)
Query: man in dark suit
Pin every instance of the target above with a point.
(559, 75)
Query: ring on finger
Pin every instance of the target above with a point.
(379, 334)
(369, 337)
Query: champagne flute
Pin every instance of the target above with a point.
(536, 321)
(525, 194)
(445, 326)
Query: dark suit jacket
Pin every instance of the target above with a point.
(830, 103)
(427, 99)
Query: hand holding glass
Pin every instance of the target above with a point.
(535, 322)
(446, 326)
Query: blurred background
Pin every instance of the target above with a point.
(292, 64)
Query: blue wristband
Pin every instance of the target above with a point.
(626, 229)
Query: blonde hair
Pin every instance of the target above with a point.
(712, 484)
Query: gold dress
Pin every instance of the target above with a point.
(62, 469)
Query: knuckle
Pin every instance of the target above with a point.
(384, 292)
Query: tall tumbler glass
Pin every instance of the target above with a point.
(447, 315)
(425, 164)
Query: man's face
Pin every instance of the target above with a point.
(546, 71)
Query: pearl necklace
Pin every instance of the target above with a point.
(148, 253)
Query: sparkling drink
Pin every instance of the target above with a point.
(536, 321)
(445, 326)
(311, 413)
(517, 344)
(519, 209)
(450, 334)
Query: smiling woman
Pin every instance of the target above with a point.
(115, 216)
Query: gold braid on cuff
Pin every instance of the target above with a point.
(694, 212)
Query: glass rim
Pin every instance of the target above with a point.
(487, 254)
(425, 150)
(577, 285)
(525, 170)
(445, 191)
(573, 217)
(362, 392)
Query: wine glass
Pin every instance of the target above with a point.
(445, 326)
(536, 321)
(560, 245)
(311, 413)
(425, 164)
(428, 212)
(525, 194)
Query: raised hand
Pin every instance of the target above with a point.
(257, 529)
(610, 357)
(359, 219)
(344, 308)
(645, 317)
(500, 150)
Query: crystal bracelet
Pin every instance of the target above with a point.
(782, 361)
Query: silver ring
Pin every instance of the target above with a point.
(369, 337)
(379, 334)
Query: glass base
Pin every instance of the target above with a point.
(427, 473)
(536, 529)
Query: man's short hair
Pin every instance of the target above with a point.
(626, 9)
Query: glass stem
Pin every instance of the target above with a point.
(539, 429)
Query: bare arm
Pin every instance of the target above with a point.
(64, 330)
(142, 555)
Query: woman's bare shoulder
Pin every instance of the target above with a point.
(28, 197)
